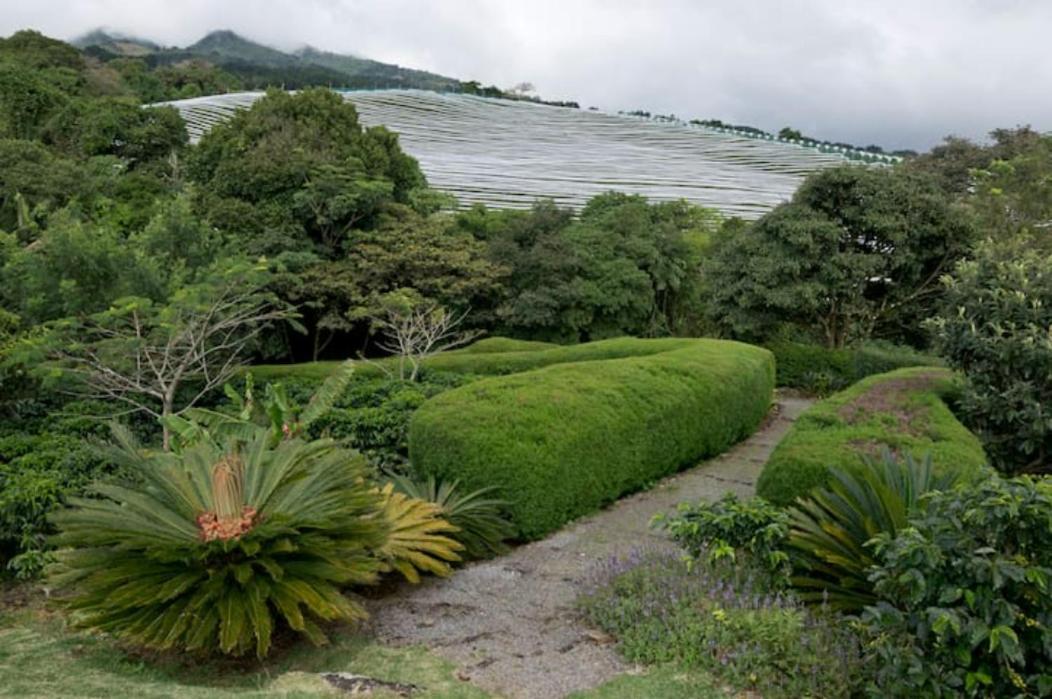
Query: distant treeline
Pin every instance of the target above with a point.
(787, 134)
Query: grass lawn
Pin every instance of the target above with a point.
(41, 657)
(663, 682)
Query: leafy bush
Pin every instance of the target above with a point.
(964, 605)
(902, 411)
(37, 474)
(822, 370)
(733, 529)
(372, 415)
(480, 526)
(995, 327)
(663, 611)
(560, 442)
(221, 543)
(832, 528)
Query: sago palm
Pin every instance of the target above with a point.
(223, 542)
(418, 536)
(481, 527)
(830, 528)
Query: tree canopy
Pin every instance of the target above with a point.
(857, 251)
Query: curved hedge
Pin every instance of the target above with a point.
(823, 370)
(902, 410)
(606, 419)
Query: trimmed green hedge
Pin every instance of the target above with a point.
(902, 410)
(496, 355)
(822, 370)
(608, 418)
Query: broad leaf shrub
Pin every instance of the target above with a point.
(222, 544)
(562, 441)
(831, 530)
(372, 415)
(39, 470)
(902, 411)
(747, 532)
(996, 328)
(822, 370)
(965, 605)
(716, 618)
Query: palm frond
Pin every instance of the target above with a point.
(831, 529)
(417, 540)
(223, 542)
(481, 526)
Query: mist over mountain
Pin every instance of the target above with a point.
(262, 64)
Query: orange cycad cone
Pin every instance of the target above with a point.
(232, 517)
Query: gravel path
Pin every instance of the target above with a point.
(509, 623)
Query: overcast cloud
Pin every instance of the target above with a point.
(901, 73)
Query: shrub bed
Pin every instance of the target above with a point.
(823, 370)
(561, 441)
(903, 411)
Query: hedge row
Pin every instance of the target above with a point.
(497, 355)
(902, 410)
(822, 370)
(606, 419)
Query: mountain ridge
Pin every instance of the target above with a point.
(239, 54)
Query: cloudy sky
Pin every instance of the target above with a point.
(901, 73)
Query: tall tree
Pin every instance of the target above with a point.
(163, 359)
(856, 252)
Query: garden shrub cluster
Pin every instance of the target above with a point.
(995, 328)
(718, 619)
(903, 411)
(562, 441)
(823, 370)
(372, 414)
(965, 605)
(942, 588)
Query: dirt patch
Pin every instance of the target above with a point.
(362, 685)
(892, 399)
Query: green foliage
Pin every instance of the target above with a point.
(78, 268)
(996, 328)
(822, 370)
(220, 545)
(38, 472)
(33, 182)
(830, 267)
(438, 262)
(662, 611)
(624, 267)
(964, 605)
(372, 414)
(560, 442)
(480, 526)
(903, 411)
(832, 528)
(419, 538)
(288, 155)
(117, 127)
(746, 532)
